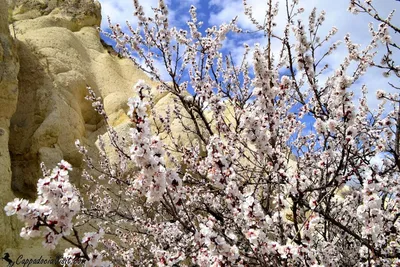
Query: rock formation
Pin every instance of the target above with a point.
(9, 67)
(53, 52)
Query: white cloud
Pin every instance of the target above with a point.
(118, 10)
(121, 11)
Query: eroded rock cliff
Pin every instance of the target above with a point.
(53, 52)
(9, 67)
(60, 53)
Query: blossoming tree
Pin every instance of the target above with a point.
(253, 188)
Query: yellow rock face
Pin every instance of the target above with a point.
(60, 54)
(44, 70)
(9, 67)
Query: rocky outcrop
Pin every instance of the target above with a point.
(53, 53)
(9, 67)
(60, 54)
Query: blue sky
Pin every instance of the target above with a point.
(215, 12)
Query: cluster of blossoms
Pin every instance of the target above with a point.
(242, 183)
(51, 215)
(146, 150)
(56, 206)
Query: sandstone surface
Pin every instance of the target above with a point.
(9, 67)
(52, 54)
